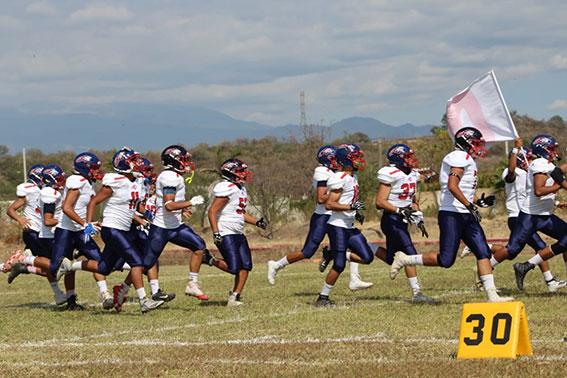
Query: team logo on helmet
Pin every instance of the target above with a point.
(326, 157)
(235, 170)
(401, 155)
(470, 140)
(177, 158)
(53, 176)
(546, 146)
(350, 155)
(34, 173)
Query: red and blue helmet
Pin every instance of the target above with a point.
(350, 155)
(402, 156)
(522, 157)
(53, 176)
(177, 158)
(470, 140)
(34, 173)
(545, 146)
(87, 165)
(146, 168)
(236, 171)
(326, 156)
(126, 160)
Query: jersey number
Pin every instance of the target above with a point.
(241, 205)
(408, 191)
(134, 200)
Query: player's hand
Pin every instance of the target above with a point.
(557, 175)
(518, 143)
(145, 228)
(217, 239)
(197, 200)
(474, 211)
(486, 201)
(149, 215)
(187, 213)
(357, 205)
(25, 223)
(405, 213)
(421, 227)
(262, 223)
(91, 229)
(359, 217)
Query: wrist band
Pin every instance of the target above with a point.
(165, 204)
(514, 150)
(557, 203)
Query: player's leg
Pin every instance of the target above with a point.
(186, 237)
(338, 238)
(552, 284)
(91, 251)
(153, 247)
(244, 261)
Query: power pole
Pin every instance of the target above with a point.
(302, 120)
(25, 168)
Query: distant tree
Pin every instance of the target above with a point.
(4, 150)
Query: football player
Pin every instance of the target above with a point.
(544, 179)
(397, 197)
(121, 193)
(458, 216)
(343, 202)
(318, 223)
(227, 216)
(515, 177)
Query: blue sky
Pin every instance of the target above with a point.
(396, 61)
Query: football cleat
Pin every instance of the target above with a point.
(400, 260)
(207, 257)
(72, 304)
(466, 251)
(119, 297)
(493, 296)
(356, 283)
(418, 297)
(273, 270)
(234, 300)
(65, 268)
(163, 296)
(552, 285)
(148, 304)
(324, 301)
(194, 290)
(17, 256)
(17, 269)
(60, 298)
(325, 259)
(107, 300)
(477, 281)
(520, 270)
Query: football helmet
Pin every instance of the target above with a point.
(522, 157)
(402, 156)
(545, 146)
(146, 168)
(236, 171)
(177, 158)
(326, 156)
(53, 176)
(470, 140)
(34, 173)
(350, 155)
(87, 165)
(126, 160)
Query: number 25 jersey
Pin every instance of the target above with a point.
(231, 216)
(403, 187)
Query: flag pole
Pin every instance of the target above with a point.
(25, 168)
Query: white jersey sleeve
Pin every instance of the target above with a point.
(321, 174)
(467, 183)
(231, 216)
(31, 211)
(49, 196)
(165, 218)
(86, 192)
(349, 194)
(542, 205)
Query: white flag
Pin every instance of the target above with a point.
(482, 106)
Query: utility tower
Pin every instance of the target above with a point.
(302, 120)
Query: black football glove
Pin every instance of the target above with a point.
(359, 217)
(474, 211)
(405, 213)
(262, 223)
(217, 239)
(421, 227)
(486, 201)
(357, 205)
(557, 176)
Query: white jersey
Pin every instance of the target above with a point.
(533, 204)
(349, 185)
(151, 205)
(403, 186)
(231, 216)
(31, 210)
(467, 184)
(49, 196)
(118, 210)
(321, 174)
(144, 193)
(165, 218)
(86, 192)
(515, 191)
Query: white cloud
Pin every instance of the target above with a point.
(42, 8)
(101, 12)
(10, 23)
(559, 61)
(557, 104)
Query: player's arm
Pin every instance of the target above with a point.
(48, 219)
(216, 206)
(539, 185)
(333, 201)
(18, 203)
(415, 204)
(250, 219)
(453, 185)
(101, 196)
(68, 206)
(382, 198)
(512, 162)
(322, 193)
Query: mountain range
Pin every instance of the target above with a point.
(150, 127)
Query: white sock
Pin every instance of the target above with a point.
(32, 269)
(70, 293)
(30, 260)
(416, 259)
(348, 255)
(1, 267)
(194, 277)
(326, 289)
(77, 265)
(126, 267)
(547, 276)
(154, 286)
(373, 247)
(55, 288)
(101, 286)
(493, 261)
(125, 287)
(488, 281)
(141, 293)
(353, 269)
(414, 284)
(282, 262)
(536, 260)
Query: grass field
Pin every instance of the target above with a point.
(279, 332)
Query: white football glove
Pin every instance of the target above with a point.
(415, 218)
(197, 200)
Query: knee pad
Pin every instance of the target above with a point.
(558, 249)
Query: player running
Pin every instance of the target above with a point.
(318, 223)
(458, 216)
